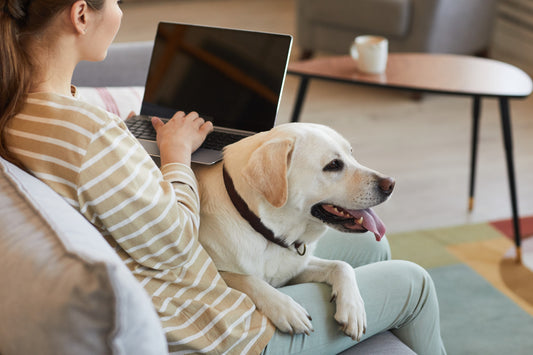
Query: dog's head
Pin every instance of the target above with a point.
(307, 171)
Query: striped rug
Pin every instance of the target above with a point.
(486, 298)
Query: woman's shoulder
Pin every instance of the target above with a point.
(70, 109)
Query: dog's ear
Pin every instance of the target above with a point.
(267, 168)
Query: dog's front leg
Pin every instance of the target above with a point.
(284, 312)
(350, 311)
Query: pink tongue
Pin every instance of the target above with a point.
(371, 222)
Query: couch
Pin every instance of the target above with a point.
(63, 290)
(440, 26)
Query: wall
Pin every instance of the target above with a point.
(513, 34)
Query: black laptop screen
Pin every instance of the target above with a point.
(232, 77)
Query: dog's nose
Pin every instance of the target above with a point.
(387, 185)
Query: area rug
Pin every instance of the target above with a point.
(485, 297)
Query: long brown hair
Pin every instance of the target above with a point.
(20, 20)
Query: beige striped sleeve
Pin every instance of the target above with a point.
(152, 214)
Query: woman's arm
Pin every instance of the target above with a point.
(152, 214)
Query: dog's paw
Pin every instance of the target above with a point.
(350, 314)
(287, 315)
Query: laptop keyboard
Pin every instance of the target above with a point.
(218, 140)
(142, 128)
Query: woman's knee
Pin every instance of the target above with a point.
(396, 292)
(403, 280)
(416, 284)
(411, 273)
(417, 321)
(355, 249)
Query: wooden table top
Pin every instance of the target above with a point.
(440, 73)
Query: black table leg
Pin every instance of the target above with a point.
(299, 99)
(508, 145)
(476, 109)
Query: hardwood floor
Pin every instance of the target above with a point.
(424, 144)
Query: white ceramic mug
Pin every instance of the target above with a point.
(371, 53)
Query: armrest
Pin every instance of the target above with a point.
(126, 64)
(462, 27)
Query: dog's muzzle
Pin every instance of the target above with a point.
(355, 221)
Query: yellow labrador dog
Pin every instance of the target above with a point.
(264, 208)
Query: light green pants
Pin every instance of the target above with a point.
(398, 295)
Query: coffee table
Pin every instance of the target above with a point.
(435, 73)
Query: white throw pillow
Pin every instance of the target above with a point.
(121, 101)
(63, 289)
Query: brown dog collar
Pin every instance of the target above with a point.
(255, 222)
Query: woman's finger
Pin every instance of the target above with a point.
(199, 121)
(193, 115)
(206, 127)
(157, 123)
(132, 113)
(179, 114)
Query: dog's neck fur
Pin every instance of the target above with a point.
(254, 221)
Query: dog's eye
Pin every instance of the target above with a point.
(334, 165)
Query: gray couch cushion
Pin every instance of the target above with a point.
(126, 64)
(390, 18)
(380, 344)
(63, 289)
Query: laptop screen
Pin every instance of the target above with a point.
(233, 78)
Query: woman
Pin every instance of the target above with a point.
(151, 215)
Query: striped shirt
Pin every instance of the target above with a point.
(149, 215)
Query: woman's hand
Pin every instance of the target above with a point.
(180, 136)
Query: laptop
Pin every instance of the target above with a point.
(231, 77)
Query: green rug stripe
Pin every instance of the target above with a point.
(476, 318)
(428, 247)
